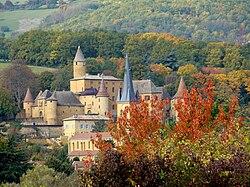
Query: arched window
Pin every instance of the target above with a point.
(89, 112)
(41, 114)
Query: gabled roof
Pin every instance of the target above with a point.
(78, 117)
(146, 87)
(103, 90)
(79, 55)
(181, 88)
(66, 98)
(45, 95)
(53, 97)
(28, 97)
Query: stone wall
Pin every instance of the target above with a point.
(42, 131)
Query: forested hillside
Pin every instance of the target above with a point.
(206, 20)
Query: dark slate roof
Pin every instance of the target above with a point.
(89, 91)
(53, 97)
(45, 95)
(66, 98)
(79, 55)
(103, 90)
(28, 96)
(181, 88)
(128, 93)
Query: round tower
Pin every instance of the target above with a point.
(27, 104)
(51, 110)
(103, 98)
(79, 64)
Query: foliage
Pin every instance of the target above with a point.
(201, 20)
(17, 85)
(7, 104)
(45, 80)
(41, 175)
(100, 126)
(187, 69)
(14, 159)
(60, 162)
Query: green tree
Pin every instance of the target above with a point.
(13, 159)
(62, 77)
(60, 161)
(45, 79)
(100, 126)
(7, 104)
(41, 175)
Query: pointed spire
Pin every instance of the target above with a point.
(28, 97)
(181, 88)
(128, 93)
(103, 90)
(119, 95)
(79, 55)
(53, 97)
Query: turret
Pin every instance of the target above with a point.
(103, 98)
(79, 64)
(52, 110)
(179, 95)
(27, 104)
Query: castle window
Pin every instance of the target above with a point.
(41, 114)
(89, 144)
(77, 145)
(82, 126)
(92, 103)
(99, 106)
(86, 126)
(89, 112)
(76, 63)
(113, 107)
(113, 89)
(113, 98)
(147, 97)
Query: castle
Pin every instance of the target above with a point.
(89, 95)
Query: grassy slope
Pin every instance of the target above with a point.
(11, 18)
(35, 69)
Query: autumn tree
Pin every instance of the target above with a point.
(196, 114)
(138, 127)
(17, 78)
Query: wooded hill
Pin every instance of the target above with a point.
(206, 20)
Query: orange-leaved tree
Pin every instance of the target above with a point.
(196, 116)
(138, 129)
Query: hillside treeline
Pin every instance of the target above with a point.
(206, 20)
(54, 48)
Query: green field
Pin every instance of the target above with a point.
(15, 1)
(23, 20)
(35, 69)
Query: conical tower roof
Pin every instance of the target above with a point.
(128, 93)
(79, 55)
(28, 97)
(103, 90)
(181, 88)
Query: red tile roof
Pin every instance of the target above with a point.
(91, 135)
(83, 153)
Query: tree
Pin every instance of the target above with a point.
(7, 104)
(60, 162)
(45, 79)
(138, 127)
(187, 69)
(17, 78)
(41, 175)
(100, 126)
(196, 117)
(13, 159)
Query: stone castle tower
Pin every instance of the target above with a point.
(103, 98)
(179, 95)
(79, 64)
(27, 104)
(52, 107)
